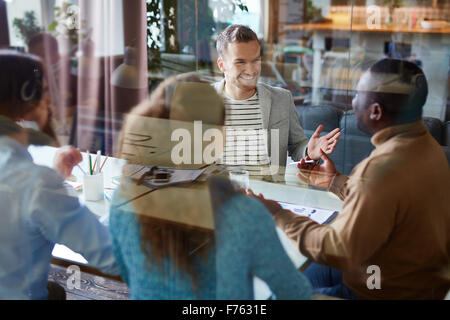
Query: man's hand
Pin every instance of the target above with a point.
(313, 174)
(65, 159)
(271, 205)
(327, 142)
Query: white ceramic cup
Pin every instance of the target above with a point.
(93, 189)
(240, 177)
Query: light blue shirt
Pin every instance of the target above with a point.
(35, 213)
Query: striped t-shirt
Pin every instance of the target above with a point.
(246, 139)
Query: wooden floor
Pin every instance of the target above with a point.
(92, 287)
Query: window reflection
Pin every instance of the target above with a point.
(103, 59)
(315, 49)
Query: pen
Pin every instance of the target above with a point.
(79, 167)
(90, 162)
(306, 161)
(104, 161)
(93, 167)
(97, 161)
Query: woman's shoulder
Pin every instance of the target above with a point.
(120, 216)
(246, 213)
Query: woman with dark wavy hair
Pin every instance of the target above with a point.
(186, 242)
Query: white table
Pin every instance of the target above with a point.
(293, 191)
(44, 156)
(295, 194)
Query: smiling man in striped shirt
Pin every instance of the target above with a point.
(261, 123)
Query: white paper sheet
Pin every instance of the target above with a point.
(321, 216)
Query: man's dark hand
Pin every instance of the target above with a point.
(317, 175)
(271, 205)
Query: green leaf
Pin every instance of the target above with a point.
(52, 26)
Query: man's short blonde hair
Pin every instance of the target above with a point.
(234, 33)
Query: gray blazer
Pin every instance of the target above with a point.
(278, 112)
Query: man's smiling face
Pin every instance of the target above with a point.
(241, 64)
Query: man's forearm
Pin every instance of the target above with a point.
(339, 185)
(295, 227)
(299, 150)
(320, 243)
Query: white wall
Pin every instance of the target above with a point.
(106, 20)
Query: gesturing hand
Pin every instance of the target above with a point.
(327, 142)
(65, 159)
(317, 175)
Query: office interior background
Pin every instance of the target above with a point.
(109, 55)
(104, 57)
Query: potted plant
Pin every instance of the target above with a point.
(67, 27)
(162, 27)
(27, 26)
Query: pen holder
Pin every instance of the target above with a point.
(93, 189)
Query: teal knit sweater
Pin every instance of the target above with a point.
(246, 245)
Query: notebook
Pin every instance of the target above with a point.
(321, 216)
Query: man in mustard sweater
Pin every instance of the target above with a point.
(392, 238)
